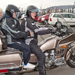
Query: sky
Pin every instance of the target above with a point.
(38, 3)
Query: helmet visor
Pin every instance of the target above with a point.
(35, 10)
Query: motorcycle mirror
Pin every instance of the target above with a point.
(58, 24)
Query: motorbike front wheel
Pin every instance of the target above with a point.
(71, 60)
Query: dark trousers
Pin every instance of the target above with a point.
(22, 47)
(40, 56)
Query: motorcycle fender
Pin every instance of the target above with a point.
(68, 52)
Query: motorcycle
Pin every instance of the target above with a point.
(58, 49)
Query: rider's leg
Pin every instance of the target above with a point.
(41, 58)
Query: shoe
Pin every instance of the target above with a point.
(29, 66)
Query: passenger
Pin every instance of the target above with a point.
(28, 24)
(11, 28)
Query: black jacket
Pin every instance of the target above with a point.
(11, 26)
(29, 24)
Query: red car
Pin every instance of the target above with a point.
(43, 19)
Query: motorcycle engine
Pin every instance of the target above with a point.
(52, 59)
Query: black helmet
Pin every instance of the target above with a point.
(10, 9)
(30, 9)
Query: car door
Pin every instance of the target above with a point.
(60, 18)
(56, 17)
(66, 18)
(71, 19)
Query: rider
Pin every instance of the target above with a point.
(1, 14)
(28, 24)
(11, 28)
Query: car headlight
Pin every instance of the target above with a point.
(42, 19)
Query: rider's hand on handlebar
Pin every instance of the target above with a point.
(31, 33)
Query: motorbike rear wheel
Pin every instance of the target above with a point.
(71, 60)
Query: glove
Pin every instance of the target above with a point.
(31, 33)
